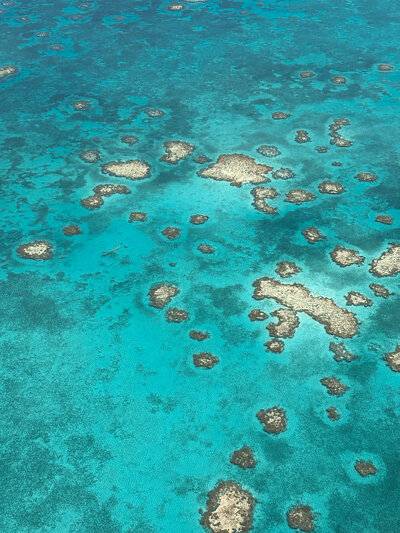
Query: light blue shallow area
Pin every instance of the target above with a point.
(107, 426)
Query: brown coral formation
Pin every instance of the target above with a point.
(81, 105)
(8, 70)
(307, 74)
(71, 230)
(393, 359)
(176, 7)
(274, 346)
(302, 137)
(287, 324)
(205, 360)
(198, 335)
(385, 67)
(286, 269)
(334, 386)
(129, 139)
(298, 196)
(257, 315)
(137, 216)
(268, 151)
(331, 187)
(312, 234)
(283, 174)
(356, 298)
(384, 219)
(366, 177)
(131, 170)
(244, 458)
(388, 263)
(341, 352)
(337, 320)
(237, 169)
(198, 219)
(337, 139)
(176, 151)
(161, 294)
(155, 113)
(174, 314)
(259, 195)
(90, 156)
(365, 468)
(333, 414)
(171, 232)
(345, 257)
(206, 248)
(95, 201)
(301, 517)
(280, 115)
(339, 80)
(229, 509)
(380, 290)
(37, 250)
(322, 149)
(201, 159)
(274, 420)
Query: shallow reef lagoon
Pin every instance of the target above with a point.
(131, 370)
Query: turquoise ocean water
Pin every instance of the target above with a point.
(107, 426)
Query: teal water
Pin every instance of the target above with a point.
(107, 426)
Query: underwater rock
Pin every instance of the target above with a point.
(174, 314)
(341, 142)
(95, 201)
(331, 187)
(237, 169)
(338, 80)
(154, 113)
(307, 74)
(337, 139)
(334, 386)
(137, 216)
(202, 159)
(244, 458)
(198, 335)
(302, 137)
(131, 170)
(37, 250)
(176, 7)
(385, 67)
(274, 346)
(356, 298)
(229, 509)
(322, 149)
(283, 174)
(8, 70)
(287, 324)
(298, 196)
(345, 257)
(384, 219)
(301, 517)
(81, 105)
(259, 195)
(129, 139)
(337, 320)
(366, 177)
(171, 233)
(388, 263)
(206, 248)
(341, 352)
(380, 290)
(286, 269)
(257, 315)
(161, 294)
(90, 156)
(333, 414)
(274, 420)
(176, 151)
(268, 151)
(336, 164)
(71, 230)
(56, 47)
(198, 219)
(205, 360)
(312, 234)
(365, 468)
(280, 115)
(393, 359)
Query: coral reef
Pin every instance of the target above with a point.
(286, 269)
(171, 232)
(131, 170)
(71, 230)
(287, 324)
(393, 359)
(205, 360)
(302, 136)
(388, 263)
(356, 298)
(341, 352)
(174, 314)
(244, 458)
(259, 195)
(37, 250)
(198, 219)
(273, 420)
(161, 294)
(283, 174)
(274, 346)
(268, 151)
(257, 315)
(365, 468)
(237, 169)
(380, 290)
(312, 234)
(301, 517)
(298, 196)
(198, 335)
(334, 386)
(331, 187)
(345, 257)
(90, 156)
(137, 216)
(176, 151)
